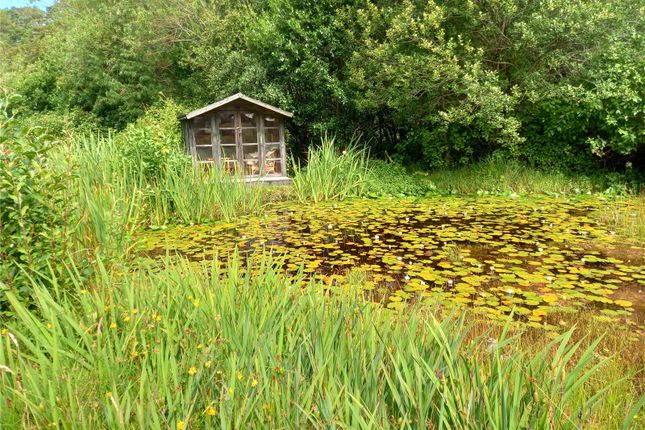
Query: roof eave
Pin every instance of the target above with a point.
(232, 98)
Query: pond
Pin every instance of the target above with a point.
(532, 256)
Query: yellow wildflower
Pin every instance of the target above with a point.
(254, 382)
(180, 425)
(196, 303)
(108, 394)
(208, 364)
(239, 375)
(4, 332)
(113, 325)
(192, 370)
(210, 411)
(134, 353)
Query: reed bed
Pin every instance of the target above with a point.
(199, 346)
(331, 173)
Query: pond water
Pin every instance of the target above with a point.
(532, 256)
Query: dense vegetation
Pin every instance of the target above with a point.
(392, 100)
(438, 83)
(187, 348)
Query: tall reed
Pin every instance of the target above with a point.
(192, 346)
(109, 197)
(499, 175)
(331, 173)
(195, 194)
(112, 185)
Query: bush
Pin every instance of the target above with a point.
(33, 207)
(388, 178)
(154, 142)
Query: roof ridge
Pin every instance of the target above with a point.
(229, 99)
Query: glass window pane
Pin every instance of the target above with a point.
(251, 151)
(203, 121)
(271, 135)
(251, 167)
(273, 167)
(229, 166)
(205, 154)
(202, 137)
(272, 151)
(248, 119)
(226, 120)
(271, 121)
(227, 137)
(249, 135)
(228, 152)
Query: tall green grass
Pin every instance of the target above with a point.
(195, 194)
(498, 175)
(110, 198)
(626, 216)
(118, 196)
(199, 347)
(331, 173)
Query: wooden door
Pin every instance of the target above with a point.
(239, 142)
(248, 143)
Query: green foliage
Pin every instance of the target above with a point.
(19, 31)
(440, 83)
(501, 175)
(437, 86)
(389, 178)
(154, 143)
(119, 195)
(33, 206)
(197, 194)
(331, 173)
(195, 347)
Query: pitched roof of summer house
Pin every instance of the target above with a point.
(234, 97)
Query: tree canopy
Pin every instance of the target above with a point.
(439, 83)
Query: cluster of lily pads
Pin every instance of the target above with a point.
(528, 256)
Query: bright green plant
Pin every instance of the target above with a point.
(331, 173)
(502, 175)
(389, 178)
(153, 143)
(119, 195)
(34, 210)
(198, 194)
(192, 346)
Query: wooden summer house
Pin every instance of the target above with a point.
(239, 134)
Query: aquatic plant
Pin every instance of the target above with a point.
(193, 346)
(331, 173)
(532, 256)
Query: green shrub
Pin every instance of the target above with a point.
(60, 125)
(153, 143)
(388, 178)
(34, 210)
(331, 173)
